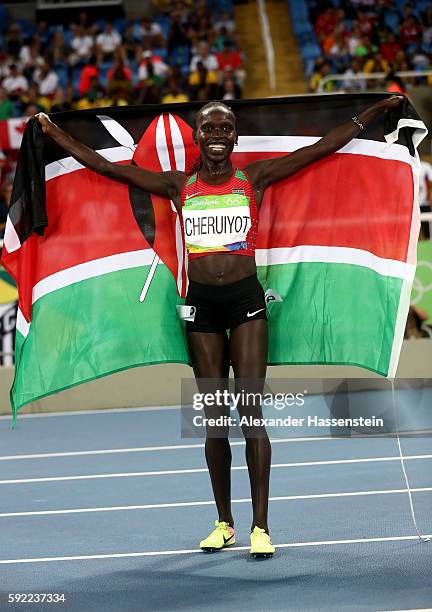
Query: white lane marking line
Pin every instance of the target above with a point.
(197, 550)
(143, 449)
(209, 503)
(205, 470)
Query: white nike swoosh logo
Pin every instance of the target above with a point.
(251, 314)
(193, 195)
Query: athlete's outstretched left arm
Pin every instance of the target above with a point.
(265, 172)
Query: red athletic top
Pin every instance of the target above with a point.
(219, 218)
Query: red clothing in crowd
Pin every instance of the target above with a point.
(410, 32)
(126, 74)
(87, 73)
(389, 50)
(326, 23)
(231, 59)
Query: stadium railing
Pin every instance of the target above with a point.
(367, 76)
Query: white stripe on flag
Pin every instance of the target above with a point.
(135, 259)
(247, 144)
(178, 144)
(69, 164)
(11, 240)
(342, 255)
(21, 324)
(161, 145)
(90, 269)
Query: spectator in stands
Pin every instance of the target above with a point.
(365, 48)
(43, 34)
(354, 39)
(7, 108)
(16, 83)
(410, 31)
(178, 34)
(14, 41)
(225, 23)
(415, 325)
(230, 90)
(203, 82)
(427, 30)
(222, 37)
(230, 58)
(152, 67)
(4, 66)
(322, 69)
(59, 51)
(338, 54)
(32, 96)
(46, 79)
(394, 84)
(174, 94)
(30, 110)
(130, 45)
(119, 80)
(389, 47)
(90, 71)
(375, 63)
(107, 42)
(94, 96)
(82, 45)
(209, 60)
(326, 22)
(202, 31)
(355, 69)
(149, 32)
(30, 57)
(62, 101)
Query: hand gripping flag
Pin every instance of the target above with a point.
(100, 267)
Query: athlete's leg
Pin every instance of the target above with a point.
(210, 360)
(248, 348)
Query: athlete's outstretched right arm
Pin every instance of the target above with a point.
(166, 184)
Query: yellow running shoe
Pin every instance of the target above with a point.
(221, 537)
(261, 545)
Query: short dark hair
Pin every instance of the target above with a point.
(215, 104)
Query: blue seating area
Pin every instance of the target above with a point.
(305, 34)
(391, 19)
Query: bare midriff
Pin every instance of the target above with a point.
(221, 268)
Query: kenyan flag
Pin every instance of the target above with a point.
(100, 268)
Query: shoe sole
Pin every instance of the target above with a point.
(258, 555)
(211, 549)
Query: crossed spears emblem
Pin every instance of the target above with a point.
(122, 136)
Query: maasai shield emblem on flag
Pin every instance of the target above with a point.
(100, 267)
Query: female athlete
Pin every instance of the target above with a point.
(224, 292)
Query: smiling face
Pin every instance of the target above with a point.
(215, 133)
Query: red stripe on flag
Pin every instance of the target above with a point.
(345, 200)
(169, 141)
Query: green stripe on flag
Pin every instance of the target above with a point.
(331, 314)
(96, 327)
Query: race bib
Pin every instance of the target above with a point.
(216, 223)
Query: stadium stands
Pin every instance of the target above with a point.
(363, 36)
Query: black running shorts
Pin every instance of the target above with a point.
(221, 307)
